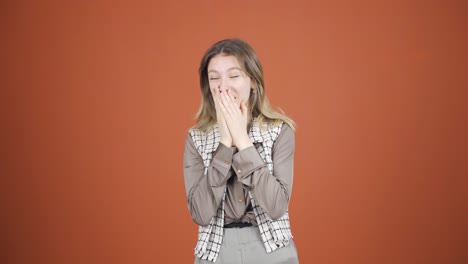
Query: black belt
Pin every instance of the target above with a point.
(237, 225)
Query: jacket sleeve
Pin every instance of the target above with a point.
(270, 191)
(205, 192)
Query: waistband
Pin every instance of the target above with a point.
(237, 225)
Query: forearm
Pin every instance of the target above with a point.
(205, 192)
(270, 191)
(204, 198)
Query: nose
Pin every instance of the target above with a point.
(223, 86)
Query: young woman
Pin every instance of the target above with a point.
(238, 163)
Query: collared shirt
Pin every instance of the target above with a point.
(241, 171)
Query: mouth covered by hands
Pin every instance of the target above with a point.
(232, 119)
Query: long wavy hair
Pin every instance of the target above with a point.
(258, 105)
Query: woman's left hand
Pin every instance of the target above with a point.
(236, 117)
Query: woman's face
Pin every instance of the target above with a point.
(225, 72)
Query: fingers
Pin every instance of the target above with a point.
(227, 109)
(222, 106)
(220, 112)
(243, 108)
(217, 102)
(229, 104)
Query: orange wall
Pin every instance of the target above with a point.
(98, 97)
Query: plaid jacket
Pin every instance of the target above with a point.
(275, 233)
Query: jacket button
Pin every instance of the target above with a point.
(226, 161)
(239, 171)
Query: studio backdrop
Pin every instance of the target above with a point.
(97, 97)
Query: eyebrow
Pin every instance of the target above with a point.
(232, 68)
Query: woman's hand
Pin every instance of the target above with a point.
(226, 138)
(236, 119)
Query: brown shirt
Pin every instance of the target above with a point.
(241, 171)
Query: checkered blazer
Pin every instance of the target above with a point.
(275, 233)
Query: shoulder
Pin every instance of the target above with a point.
(194, 131)
(285, 143)
(286, 133)
(285, 128)
(279, 131)
(192, 135)
(195, 134)
(206, 141)
(201, 132)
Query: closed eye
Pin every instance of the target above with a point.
(235, 76)
(213, 78)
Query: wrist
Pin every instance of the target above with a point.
(226, 143)
(243, 144)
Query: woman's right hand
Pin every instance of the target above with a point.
(226, 137)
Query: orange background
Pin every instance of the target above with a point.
(98, 96)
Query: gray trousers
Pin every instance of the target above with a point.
(245, 246)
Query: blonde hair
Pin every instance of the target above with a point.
(258, 104)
